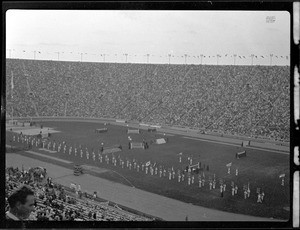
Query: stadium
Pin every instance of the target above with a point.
(148, 118)
(150, 142)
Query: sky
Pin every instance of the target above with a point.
(107, 36)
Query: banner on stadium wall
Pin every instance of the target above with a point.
(121, 121)
(26, 124)
(151, 129)
(14, 122)
(143, 124)
(245, 143)
(155, 126)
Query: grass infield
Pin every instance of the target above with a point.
(261, 169)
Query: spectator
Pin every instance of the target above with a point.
(21, 204)
(228, 100)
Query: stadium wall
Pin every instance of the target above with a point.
(229, 138)
(260, 143)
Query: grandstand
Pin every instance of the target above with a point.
(57, 203)
(237, 102)
(229, 100)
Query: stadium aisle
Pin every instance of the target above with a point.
(153, 204)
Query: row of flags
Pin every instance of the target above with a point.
(169, 55)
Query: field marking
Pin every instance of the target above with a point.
(47, 150)
(238, 145)
(50, 157)
(124, 178)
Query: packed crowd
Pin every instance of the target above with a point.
(251, 101)
(55, 203)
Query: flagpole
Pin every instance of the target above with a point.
(12, 90)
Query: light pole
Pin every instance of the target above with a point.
(252, 56)
(218, 56)
(201, 58)
(126, 57)
(81, 56)
(169, 58)
(57, 56)
(148, 58)
(185, 56)
(234, 59)
(271, 56)
(10, 51)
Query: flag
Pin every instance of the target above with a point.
(229, 164)
(148, 163)
(281, 175)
